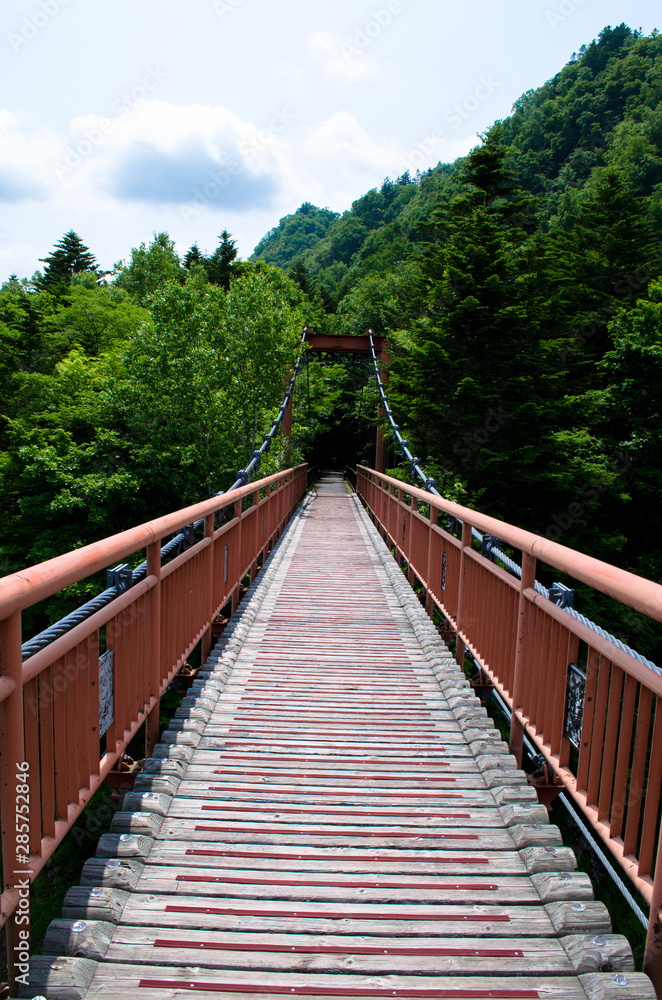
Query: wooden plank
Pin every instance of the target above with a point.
(332, 836)
(332, 833)
(290, 857)
(305, 812)
(203, 911)
(334, 886)
(337, 954)
(152, 982)
(246, 790)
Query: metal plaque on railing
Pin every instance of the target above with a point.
(574, 705)
(105, 691)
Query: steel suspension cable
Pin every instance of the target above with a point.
(429, 485)
(125, 578)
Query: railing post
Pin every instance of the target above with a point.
(523, 620)
(413, 506)
(429, 603)
(256, 531)
(205, 648)
(154, 569)
(380, 446)
(653, 953)
(235, 593)
(12, 756)
(460, 647)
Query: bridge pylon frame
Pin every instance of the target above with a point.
(324, 343)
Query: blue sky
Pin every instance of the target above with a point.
(127, 118)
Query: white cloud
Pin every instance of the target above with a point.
(190, 170)
(341, 58)
(23, 156)
(342, 137)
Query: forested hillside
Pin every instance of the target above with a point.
(519, 287)
(602, 110)
(128, 395)
(518, 290)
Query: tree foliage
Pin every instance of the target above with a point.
(124, 401)
(70, 256)
(519, 289)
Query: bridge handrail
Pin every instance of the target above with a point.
(26, 587)
(175, 544)
(529, 648)
(50, 725)
(639, 593)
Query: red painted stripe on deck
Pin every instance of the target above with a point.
(402, 727)
(496, 918)
(382, 700)
(344, 743)
(289, 856)
(281, 758)
(357, 776)
(374, 714)
(331, 884)
(353, 949)
(460, 993)
(398, 793)
(320, 683)
(336, 735)
(359, 832)
(330, 812)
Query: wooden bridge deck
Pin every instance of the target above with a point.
(333, 814)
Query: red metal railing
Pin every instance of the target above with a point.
(50, 758)
(525, 644)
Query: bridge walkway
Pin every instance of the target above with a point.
(332, 813)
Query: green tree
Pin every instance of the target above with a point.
(150, 268)
(221, 266)
(299, 275)
(472, 378)
(603, 262)
(94, 318)
(70, 256)
(194, 255)
(632, 424)
(263, 321)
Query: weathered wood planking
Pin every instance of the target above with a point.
(333, 815)
(288, 857)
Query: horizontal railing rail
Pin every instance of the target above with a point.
(176, 544)
(51, 762)
(487, 540)
(598, 722)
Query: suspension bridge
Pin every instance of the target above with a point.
(331, 812)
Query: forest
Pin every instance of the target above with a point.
(520, 288)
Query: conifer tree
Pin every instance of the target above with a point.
(221, 264)
(70, 256)
(299, 274)
(193, 256)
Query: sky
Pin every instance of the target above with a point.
(126, 118)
